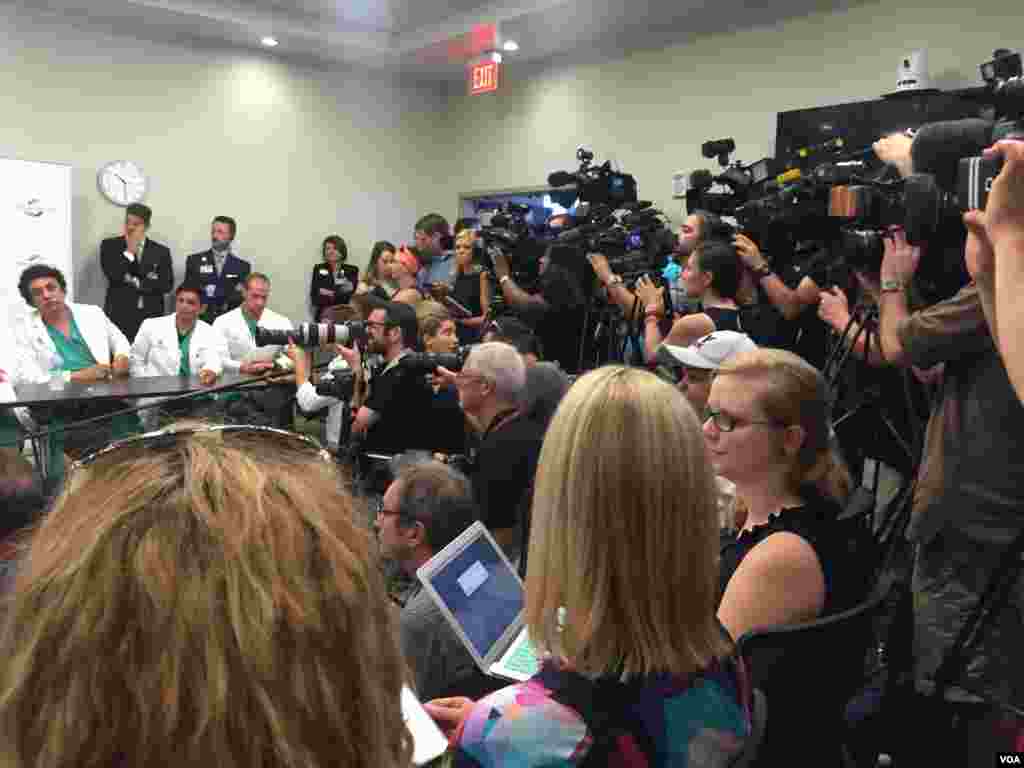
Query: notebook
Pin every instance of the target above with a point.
(480, 594)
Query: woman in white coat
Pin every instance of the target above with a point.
(179, 344)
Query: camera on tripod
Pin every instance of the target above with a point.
(311, 335)
(596, 184)
(724, 192)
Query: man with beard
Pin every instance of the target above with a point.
(393, 417)
(220, 273)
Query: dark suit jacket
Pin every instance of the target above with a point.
(156, 280)
(221, 292)
(322, 278)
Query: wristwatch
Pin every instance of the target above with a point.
(762, 271)
(613, 280)
(504, 278)
(891, 286)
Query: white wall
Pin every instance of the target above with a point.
(652, 110)
(293, 154)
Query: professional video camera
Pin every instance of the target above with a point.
(312, 334)
(634, 238)
(339, 384)
(596, 184)
(508, 233)
(428, 362)
(723, 193)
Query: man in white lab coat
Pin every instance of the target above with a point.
(238, 328)
(77, 343)
(179, 344)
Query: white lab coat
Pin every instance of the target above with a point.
(240, 343)
(310, 402)
(36, 355)
(156, 351)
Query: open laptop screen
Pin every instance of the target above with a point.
(481, 591)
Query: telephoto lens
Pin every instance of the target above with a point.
(312, 334)
(338, 384)
(428, 362)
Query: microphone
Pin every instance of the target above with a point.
(561, 179)
(938, 147)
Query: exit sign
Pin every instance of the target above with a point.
(484, 77)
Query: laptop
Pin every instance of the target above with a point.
(481, 595)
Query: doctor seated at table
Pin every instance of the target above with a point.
(61, 342)
(179, 344)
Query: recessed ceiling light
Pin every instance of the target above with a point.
(268, 41)
(511, 46)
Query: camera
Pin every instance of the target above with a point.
(736, 184)
(312, 334)
(338, 384)
(975, 175)
(428, 362)
(596, 184)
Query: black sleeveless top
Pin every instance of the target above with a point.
(841, 555)
(724, 319)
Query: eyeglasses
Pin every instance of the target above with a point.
(726, 422)
(371, 323)
(168, 438)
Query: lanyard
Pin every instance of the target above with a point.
(499, 419)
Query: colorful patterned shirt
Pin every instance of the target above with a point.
(558, 718)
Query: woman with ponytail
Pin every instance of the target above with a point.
(767, 430)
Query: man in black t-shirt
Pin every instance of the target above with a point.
(392, 418)
(490, 388)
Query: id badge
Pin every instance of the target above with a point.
(210, 291)
(206, 269)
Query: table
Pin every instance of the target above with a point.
(117, 389)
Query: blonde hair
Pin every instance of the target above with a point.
(466, 236)
(428, 309)
(206, 602)
(797, 394)
(625, 531)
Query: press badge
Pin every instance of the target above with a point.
(206, 269)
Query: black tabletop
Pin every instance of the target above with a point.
(117, 389)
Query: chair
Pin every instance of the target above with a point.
(809, 671)
(758, 722)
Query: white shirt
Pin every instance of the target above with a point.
(157, 350)
(36, 355)
(309, 401)
(238, 338)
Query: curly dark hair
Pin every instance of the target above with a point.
(35, 272)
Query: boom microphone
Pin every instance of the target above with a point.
(561, 179)
(938, 147)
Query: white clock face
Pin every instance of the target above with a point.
(122, 182)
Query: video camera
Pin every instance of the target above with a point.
(736, 184)
(311, 335)
(508, 233)
(634, 238)
(596, 184)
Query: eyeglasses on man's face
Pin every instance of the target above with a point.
(726, 422)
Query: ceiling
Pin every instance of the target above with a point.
(414, 38)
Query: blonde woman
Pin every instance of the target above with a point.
(471, 287)
(767, 430)
(202, 597)
(621, 591)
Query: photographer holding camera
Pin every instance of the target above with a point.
(556, 310)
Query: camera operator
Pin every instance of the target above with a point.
(996, 259)
(391, 420)
(556, 311)
(971, 485)
(712, 273)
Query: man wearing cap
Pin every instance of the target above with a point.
(698, 362)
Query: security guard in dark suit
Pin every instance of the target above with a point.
(219, 272)
(139, 271)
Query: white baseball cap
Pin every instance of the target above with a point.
(712, 350)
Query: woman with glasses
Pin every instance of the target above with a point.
(639, 671)
(767, 430)
(202, 597)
